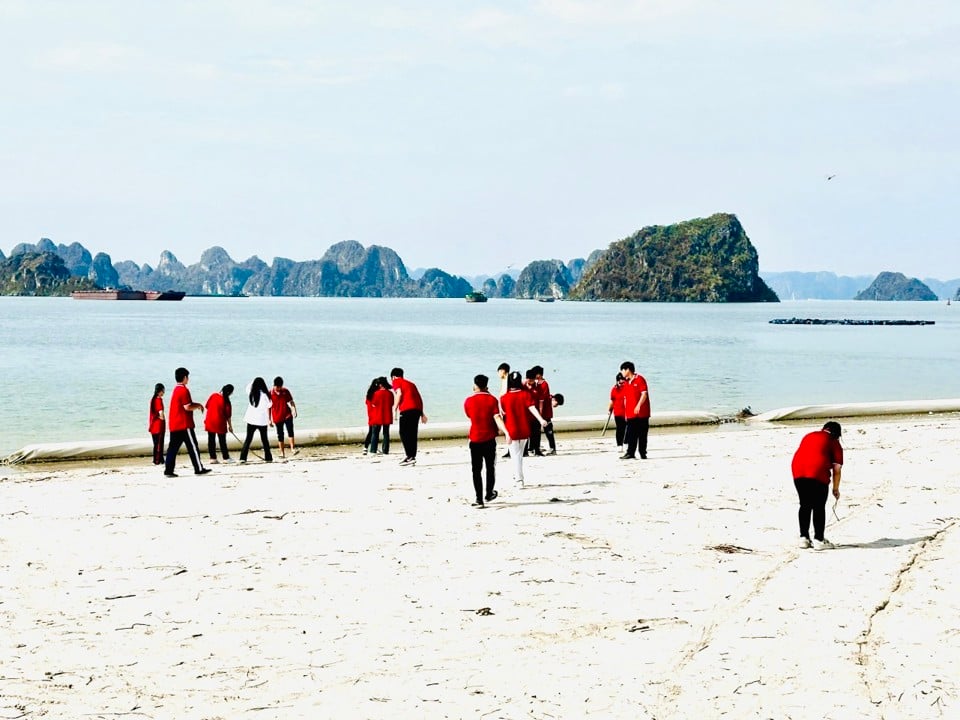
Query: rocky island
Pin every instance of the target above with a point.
(896, 286)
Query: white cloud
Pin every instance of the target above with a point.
(91, 58)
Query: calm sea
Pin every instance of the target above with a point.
(80, 370)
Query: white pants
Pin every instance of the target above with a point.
(516, 455)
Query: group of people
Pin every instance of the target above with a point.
(400, 398)
(266, 407)
(522, 412)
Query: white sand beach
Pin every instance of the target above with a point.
(338, 585)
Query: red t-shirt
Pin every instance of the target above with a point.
(179, 417)
(371, 412)
(218, 412)
(481, 407)
(279, 409)
(155, 425)
(383, 407)
(515, 408)
(409, 395)
(632, 390)
(616, 397)
(819, 451)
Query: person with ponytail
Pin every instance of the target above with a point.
(157, 424)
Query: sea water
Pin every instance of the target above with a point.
(78, 370)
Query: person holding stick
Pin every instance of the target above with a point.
(616, 409)
(257, 417)
(217, 421)
(817, 461)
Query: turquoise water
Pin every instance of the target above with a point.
(85, 370)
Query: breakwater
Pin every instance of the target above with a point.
(823, 321)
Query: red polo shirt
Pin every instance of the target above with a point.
(515, 406)
(819, 451)
(179, 418)
(481, 407)
(632, 390)
(409, 395)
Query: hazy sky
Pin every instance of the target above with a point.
(473, 136)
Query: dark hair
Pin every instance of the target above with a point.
(278, 381)
(514, 381)
(226, 390)
(157, 389)
(374, 386)
(384, 383)
(531, 374)
(833, 428)
(258, 387)
(537, 369)
(620, 377)
(559, 398)
(504, 366)
(181, 373)
(396, 372)
(481, 381)
(627, 365)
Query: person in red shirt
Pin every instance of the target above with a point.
(180, 421)
(408, 405)
(545, 406)
(617, 410)
(157, 424)
(817, 461)
(530, 385)
(636, 411)
(217, 421)
(282, 412)
(483, 409)
(515, 406)
(379, 403)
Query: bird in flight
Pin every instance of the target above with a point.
(831, 177)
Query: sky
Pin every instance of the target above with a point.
(477, 136)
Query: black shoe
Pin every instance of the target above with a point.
(628, 457)
(492, 496)
(643, 456)
(477, 504)
(170, 474)
(506, 455)
(539, 453)
(552, 452)
(203, 471)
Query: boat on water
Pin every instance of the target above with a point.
(110, 294)
(546, 298)
(475, 297)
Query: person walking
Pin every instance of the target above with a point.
(408, 406)
(636, 412)
(282, 412)
(482, 408)
(503, 370)
(372, 415)
(157, 423)
(817, 461)
(616, 409)
(217, 421)
(180, 419)
(533, 440)
(515, 406)
(257, 418)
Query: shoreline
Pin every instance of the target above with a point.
(303, 588)
(93, 450)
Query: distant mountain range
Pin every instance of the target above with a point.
(703, 260)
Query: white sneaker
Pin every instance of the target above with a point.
(823, 545)
(804, 543)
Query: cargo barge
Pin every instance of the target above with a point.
(127, 295)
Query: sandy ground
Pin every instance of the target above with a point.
(346, 586)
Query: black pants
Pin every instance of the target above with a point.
(409, 426)
(621, 424)
(251, 429)
(636, 436)
(373, 438)
(813, 499)
(212, 439)
(158, 447)
(548, 434)
(480, 453)
(533, 444)
(183, 437)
